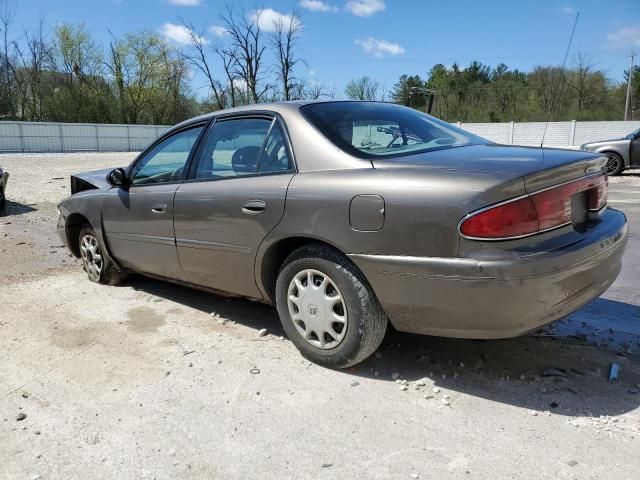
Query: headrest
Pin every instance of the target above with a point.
(245, 159)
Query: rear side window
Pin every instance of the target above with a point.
(275, 157)
(381, 130)
(244, 146)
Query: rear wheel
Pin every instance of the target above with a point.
(327, 308)
(99, 267)
(3, 200)
(615, 164)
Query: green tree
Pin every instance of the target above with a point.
(409, 91)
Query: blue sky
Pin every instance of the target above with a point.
(385, 38)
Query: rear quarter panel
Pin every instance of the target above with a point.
(421, 209)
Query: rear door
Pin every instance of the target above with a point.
(138, 219)
(235, 195)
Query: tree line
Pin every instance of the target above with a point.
(63, 74)
(481, 93)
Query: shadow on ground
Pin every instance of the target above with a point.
(15, 208)
(250, 314)
(560, 369)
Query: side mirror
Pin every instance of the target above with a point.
(118, 177)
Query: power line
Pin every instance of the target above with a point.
(564, 62)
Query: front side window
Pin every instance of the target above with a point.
(244, 146)
(380, 130)
(166, 161)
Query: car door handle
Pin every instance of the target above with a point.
(159, 209)
(254, 207)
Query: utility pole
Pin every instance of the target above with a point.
(627, 103)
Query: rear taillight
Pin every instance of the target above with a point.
(534, 213)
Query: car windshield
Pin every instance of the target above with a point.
(382, 130)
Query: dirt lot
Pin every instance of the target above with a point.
(150, 380)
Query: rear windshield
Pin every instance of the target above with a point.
(383, 130)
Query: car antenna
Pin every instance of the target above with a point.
(555, 92)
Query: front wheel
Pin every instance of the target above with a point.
(99, 267)
(615, 164)
(327, 308)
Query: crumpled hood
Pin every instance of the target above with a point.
(90, 180)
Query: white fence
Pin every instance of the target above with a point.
(74, 137)
(559, 134)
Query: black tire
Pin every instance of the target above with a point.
(3, 200)
(108, 273)
(366, 321)
(615, 164)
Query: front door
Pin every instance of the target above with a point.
(235, 196)
(138, 219)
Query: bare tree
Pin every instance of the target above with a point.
(579, 80)
(363, 88)
(7, 15)
(247, 45)
(228, 55)
(115, 65)
(284, 40)
(314, 91)
(197, 55)
(35, 61)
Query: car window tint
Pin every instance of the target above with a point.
(166, 161)
(233, 148)
(275, 157)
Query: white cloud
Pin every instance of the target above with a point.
(178, 33)
(318, 6)
(365, 8)
(625, 37)
(267, 18)
(567, 10)
(185, 3)
(379, 48)
(218, 30)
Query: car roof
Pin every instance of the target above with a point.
(278, 107)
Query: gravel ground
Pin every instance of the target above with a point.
(151, 380)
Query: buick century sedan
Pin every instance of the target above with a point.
(348, 216)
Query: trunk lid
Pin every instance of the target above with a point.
(539, 167)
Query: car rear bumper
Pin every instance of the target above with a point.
(477, 298)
